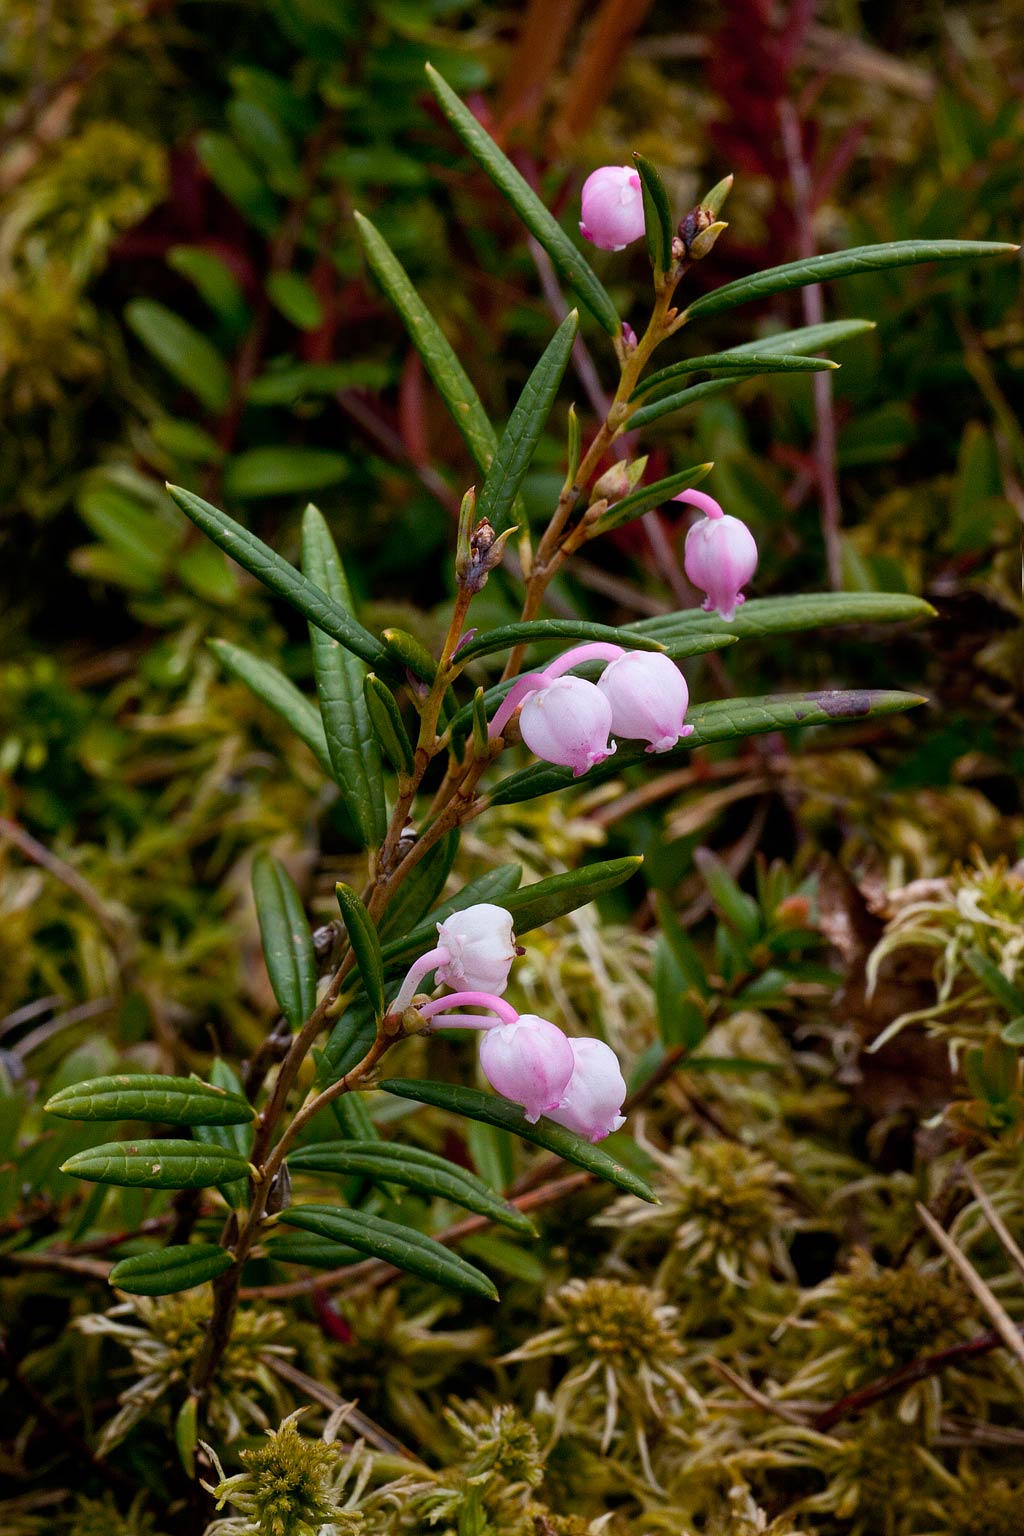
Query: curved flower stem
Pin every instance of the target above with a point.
(419, 968)
(506, 1013)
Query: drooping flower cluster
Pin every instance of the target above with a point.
(524, 1057)
(720, 555)
(641, 695)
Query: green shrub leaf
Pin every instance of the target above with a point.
(788, 615)
(645, 497)
(279, 693)
(362, 935)
(287, 941)
(820, 269)
(150, 1096)
(403, 1247)
(475, 1105)
(185, 352)
(385, 1162)
(658, 222)
(386, 719)
(168, 1270)
(157, 1165)
(340, 678)
(508, 635)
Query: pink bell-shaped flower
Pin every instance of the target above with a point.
(480, 947)
(529, 1061)
(648, 697)
(720, 555)
(567, 722)
(612, 205)
(593, 1100)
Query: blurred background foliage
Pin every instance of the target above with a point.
(177, 183)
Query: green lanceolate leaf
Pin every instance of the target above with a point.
(805, 339)
(157, 1165)
(422, 886)
(150, 1096)
(168, 1270)
(279, 693)
(405, 650)
(474, 1105)
(535, 905)
(348, 1042)
(567, 259)
(508, 635)
(386, 719)
(657, 215)
(401, 1246)
(761, 616)
(280, 577)
(237, 1138)
(495, 886)
(434, 348)
(353, 1118)
(721, 720)
(733, 362)
(525, 425)
(287, 941)
(820, 269)
(351, 741)
(362, 935)
(316, 1252)
(714, 200)
(683, 397)
(645, 497)
(738, 909)
(185, 352)
(411, 1168)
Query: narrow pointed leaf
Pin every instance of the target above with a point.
(646, 497)
(568, 260)
(508, 635)
(287, 941)
(403, 1247)
(353, 1118)
(434, 348)
(761, 616)
(805, 339)
(657, 215)
(237, 1138)
(362, 935)
(280, 577)
(764, 361)
(279, 693)
(168, 1270)
(188, 355)
(348, 1042)
(351, 740)
(472, 1104)
(525, 426)
(683, 397)
(820, 269)
(157, 1165)
(316, 1252)
(411, 1168)
(721, 720)
(386, 719)
(536, 905)
(150, 1096)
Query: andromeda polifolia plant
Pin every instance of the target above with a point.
(415, 756)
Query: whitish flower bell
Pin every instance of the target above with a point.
(529, 1061)
(592, 1103)
(568, 723)
(475, 951)
(612, 205)
(648, 698)
(720, 555)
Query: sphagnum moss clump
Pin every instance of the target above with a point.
(291, 1486)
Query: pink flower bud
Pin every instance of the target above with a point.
(568, 723)
(628, 336)
(720, 555)
(529, 1061)
(593, 1100)
(480, 949)
(612, 205)
(648, 697)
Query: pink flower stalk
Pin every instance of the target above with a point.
(533, 682)
(720, 555)
(476, 949)
(436, 1012)
(648, 697)
(568, 723)
(612, 205)
(593, 1099)
(529, 1062)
